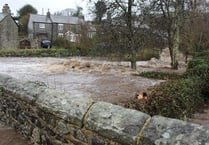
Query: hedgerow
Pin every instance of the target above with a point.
(178, 98)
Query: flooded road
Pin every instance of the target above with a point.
(100, 80)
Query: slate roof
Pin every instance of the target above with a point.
(53, 19)
(2, 16)
(38, 18)
(66, 19)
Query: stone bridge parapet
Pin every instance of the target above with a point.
(50, 117)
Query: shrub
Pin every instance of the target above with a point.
(62, 43)
(176, 99)
(160, 75)
(36, 52)
(137, 105)
(198, 67)
(203, 54)
(1, 91)
(205, 88)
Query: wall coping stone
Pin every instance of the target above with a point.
(115, 122)
(59, 103)
(65, 106)
(167, 131)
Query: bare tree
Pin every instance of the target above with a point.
(70, 12)
(171, 12)
(100, 10)
(65, 12)
(182, 24)
(195, 31)
(123, 26)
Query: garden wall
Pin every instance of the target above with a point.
(47, 116)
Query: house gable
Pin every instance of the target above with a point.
(8, 32)
(3, 16)
(52, 26)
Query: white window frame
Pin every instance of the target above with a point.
(60, 27)
(42, 26)
(60, 35)
(73, 38)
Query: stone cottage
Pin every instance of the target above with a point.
(8, 29)
(51, 27)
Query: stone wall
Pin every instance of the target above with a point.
(8, 33)
(49, 117)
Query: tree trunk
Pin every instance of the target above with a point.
(133, 60)
(175, 46)
(176, 35)
(130, 34)
(133, 65)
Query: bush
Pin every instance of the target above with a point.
(36, 52)
(205, 88)
(62, 43)
(176, 99)
(203, 54)
(160, 75)
(198, 67)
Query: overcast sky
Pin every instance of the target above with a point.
(44, 5)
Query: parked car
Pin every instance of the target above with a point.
(45, 43)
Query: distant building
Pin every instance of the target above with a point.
(8, 29)
(51, 27)
(91, 30)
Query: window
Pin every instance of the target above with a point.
(60, 27)
(90, 35)
(42, 26)
(73, 38)
(60, 35)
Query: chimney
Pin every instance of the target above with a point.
(48, 14)
(48, 17)
(6, 9)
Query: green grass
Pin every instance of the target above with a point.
(58, 51)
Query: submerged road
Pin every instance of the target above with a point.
(97, 79)
(100, 80)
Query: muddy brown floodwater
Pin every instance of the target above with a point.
(100, 80)
(8, 136)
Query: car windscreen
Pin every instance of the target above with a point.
(46, 41)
